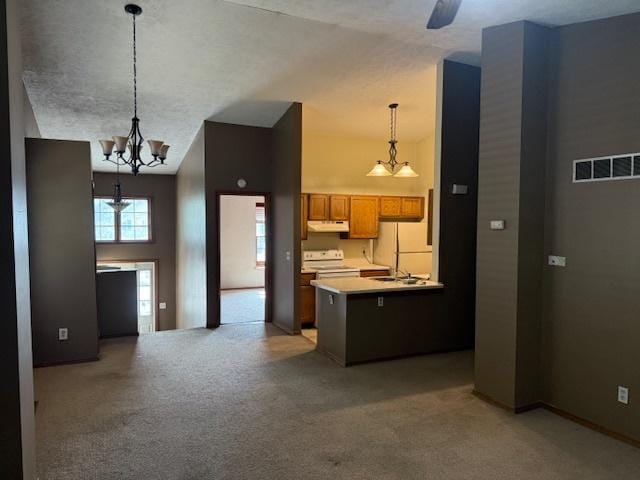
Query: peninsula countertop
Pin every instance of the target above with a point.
(356, 285)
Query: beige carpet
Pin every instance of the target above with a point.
(242, 305)
(245, 402)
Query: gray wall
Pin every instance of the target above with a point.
(61, 250)
(191, 238)
(162, 190)
(591, 327)
(575, 350)
(232, 152)
(285, 219)
(512, 166)
(17, 428)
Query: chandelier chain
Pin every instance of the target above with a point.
(135, 71)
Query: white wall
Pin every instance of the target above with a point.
(339, 164)
(238, 242)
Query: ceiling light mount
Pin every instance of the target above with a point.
(134, 141)
(387, 169)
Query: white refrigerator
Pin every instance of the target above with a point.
(414, 255)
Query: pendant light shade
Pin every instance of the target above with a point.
(387, 169)
(406, 172)
(379, 170)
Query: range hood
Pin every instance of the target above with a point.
(316, 226)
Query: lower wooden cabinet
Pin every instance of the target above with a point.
(374, 273)
(307, 299)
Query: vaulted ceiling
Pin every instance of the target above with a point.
(243, 61)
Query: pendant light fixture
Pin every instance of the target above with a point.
(387, 169)
(134, 141)
(117, 203)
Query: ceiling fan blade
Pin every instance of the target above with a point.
(443, 13)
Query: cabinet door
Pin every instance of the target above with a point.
(339, 207)
(307, 305)
(390, 207)
(413, 207)
(364, 219)
(318, 207)
(304, 215)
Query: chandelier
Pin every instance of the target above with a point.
(387, 169)
(134, 141)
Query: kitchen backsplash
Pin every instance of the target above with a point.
(325, 241)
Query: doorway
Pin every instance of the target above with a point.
(243, 262)
(147, 287)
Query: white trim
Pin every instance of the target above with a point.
(437, 158)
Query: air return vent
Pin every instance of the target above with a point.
(619, 167)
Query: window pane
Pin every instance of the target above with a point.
(107, 219)
(126, 232)
(126, 219)
(145, 277)
(145, 293)
(260, 229)
(140, 205)
(141, 233)
(140, 219)
(145, 307)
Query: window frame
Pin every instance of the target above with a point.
(118, 239)
(261, 263)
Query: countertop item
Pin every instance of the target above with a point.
(356, 285)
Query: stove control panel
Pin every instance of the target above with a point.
(313, 255)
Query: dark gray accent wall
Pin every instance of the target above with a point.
(17, 424)
(458, 165)
(117, 292)
(162, 191)
(285, 218)
(61, 250)
(232, 152)
(511, 188)
(191, 238)
(591, 318)
(565, 336)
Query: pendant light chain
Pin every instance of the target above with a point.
(135, 71)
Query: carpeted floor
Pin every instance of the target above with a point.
(242, 305)
(247, 402)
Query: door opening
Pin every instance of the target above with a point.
(147, 285)
(243, 265)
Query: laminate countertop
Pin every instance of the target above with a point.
(357, 264)
(357, 285)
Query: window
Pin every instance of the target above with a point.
(131, 225)
(261, 235)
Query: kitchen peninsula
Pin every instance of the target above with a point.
(365, 319)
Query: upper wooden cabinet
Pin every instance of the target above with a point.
(364, 217)
(402, 208)
(339, 207)
(412, 207)
(318, 207)
(390, 207)
(304, 215)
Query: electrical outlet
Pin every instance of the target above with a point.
(556, 261)
(497, 225)
(163, 306)
(63, 334)
(331, 300)
(623, 395)
(381, 301)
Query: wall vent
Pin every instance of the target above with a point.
(618, 167)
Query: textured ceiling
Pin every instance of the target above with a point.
(243, 61)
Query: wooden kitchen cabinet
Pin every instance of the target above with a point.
(339, 207)
(318, 207)
(307, 299)
(399, 208)
(304, 215)
(364, 217)
(374, 273)
(412, 207)
(390, 207)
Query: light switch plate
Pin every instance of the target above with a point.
(331, 299)
(381, 301)
(623, 395)
(459, 189)
(163, 306)
(497, 224)
(556, 261)
(63, 334)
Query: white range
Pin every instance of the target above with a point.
(328, 264)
